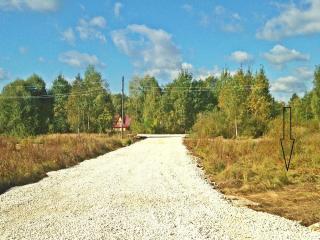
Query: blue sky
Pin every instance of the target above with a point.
(159, 37)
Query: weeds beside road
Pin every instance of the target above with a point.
(28, 160)
(254, 169)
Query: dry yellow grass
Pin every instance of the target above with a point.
(27, 160)
(254, 168)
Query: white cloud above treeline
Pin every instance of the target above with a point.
(69, 36)
(87, 29)
(34, 5)
(3, 74)
(218, 17)
(151, 50)
(293, 21)
(241, 57)
(279, 56)
(117, 9)
(187, 7)
(289, 84)
(90, 29)
(23, 50)
(80, 60)
(298, 82)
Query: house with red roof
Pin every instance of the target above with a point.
(118, 122)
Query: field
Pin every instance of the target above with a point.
(28, 160)
(254, 169)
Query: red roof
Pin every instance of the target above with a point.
(126, 122)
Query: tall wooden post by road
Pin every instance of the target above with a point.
(122, 107)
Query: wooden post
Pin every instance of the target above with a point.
(122, 107)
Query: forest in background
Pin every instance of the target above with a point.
(230, 105)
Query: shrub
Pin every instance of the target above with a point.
(211, 124)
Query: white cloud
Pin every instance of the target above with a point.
(41, 59)
(3, 74)
(90, 29)
(35, 5)
(241, 57)
(68, 36)
(288, 84)
(219, 10)
(187, 66)
(117, 9)
(204, 20)
(203, 73)
(227, 20)
(280, 55)
(98, 21)
(187, 7)
(293, 21)
(236, 16)
(79, 60)
(23, 50)
(151, 50)
(232, 27)
(305, 73)
(83, 8)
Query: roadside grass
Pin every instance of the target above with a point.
(28, 160)
(254, 169)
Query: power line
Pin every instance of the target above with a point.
(87, 93)
(34, 86)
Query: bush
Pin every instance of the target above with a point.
(211, 124)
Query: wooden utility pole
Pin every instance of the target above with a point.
(122, 107)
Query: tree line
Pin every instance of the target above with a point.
(230, 105)
(29, 108)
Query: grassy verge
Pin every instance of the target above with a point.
(254, 169)
(28, 160)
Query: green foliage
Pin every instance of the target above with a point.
(238, 105)
(233, 98)
(245, 102)
(145, 105)
(178, 104)
(89, 106)
(75, 106)
(315, 100)
(60, 90)
(171, 109)
(260, 105)
(16, 109)
(27, 108)
(23, 109)
(211, 124)
(117, 102)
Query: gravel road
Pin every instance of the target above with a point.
(149, 190)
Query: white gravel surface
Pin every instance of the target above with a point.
(149, 190)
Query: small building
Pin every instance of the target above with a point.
(118, 121)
